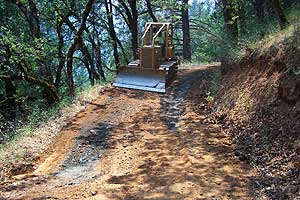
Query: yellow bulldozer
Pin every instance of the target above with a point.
(157, 67)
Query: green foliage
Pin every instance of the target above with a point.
(24, 54)
(210, 99)
(205, 25)
(209, 23)
(214, 82)
(296, 71)
(39, 114)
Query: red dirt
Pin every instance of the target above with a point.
(138, 145)
(259, 106)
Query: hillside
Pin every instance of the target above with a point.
(259, 106)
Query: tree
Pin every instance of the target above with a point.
(31, 15)
(230, 18)
(187, 54)
(150, 11)
(30, 12)
(259, 8)
(283, 22)
(112, 32)
(17, 62)
(131, 19)
(74, 46)
(59, 24)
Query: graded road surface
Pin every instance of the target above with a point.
(139, 145)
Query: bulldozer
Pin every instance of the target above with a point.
(157, 65)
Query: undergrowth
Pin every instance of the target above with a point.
(260, 34)
(39, 115)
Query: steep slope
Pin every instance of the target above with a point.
(259, 105)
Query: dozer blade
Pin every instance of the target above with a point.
(141, 79)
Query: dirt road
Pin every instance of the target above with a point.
(138, 145)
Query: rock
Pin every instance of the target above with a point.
(190, 174)
(93, 193)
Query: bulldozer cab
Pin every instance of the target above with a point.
(157, 66)
(158, 37)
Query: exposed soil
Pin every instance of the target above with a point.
(259, 106)
(139, 145)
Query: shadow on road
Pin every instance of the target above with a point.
(182, 158)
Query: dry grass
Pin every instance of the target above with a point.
(262, 121)
(275, 40)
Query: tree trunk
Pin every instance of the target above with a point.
(242, 17)
(259, 7)
(31, 16)
(61, 57)
(10, 90)
(88, 58)
(34, 20)
(70, 54)
(89, 70)
(229, 14)
(134, 28)
(131, 21)
(99, 60)
(187, 54)
(75, 45)
(109, 12)
(150, 11)
(123, 51)
(96, 52)
(283, 22)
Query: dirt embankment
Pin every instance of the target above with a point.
(259, 105)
